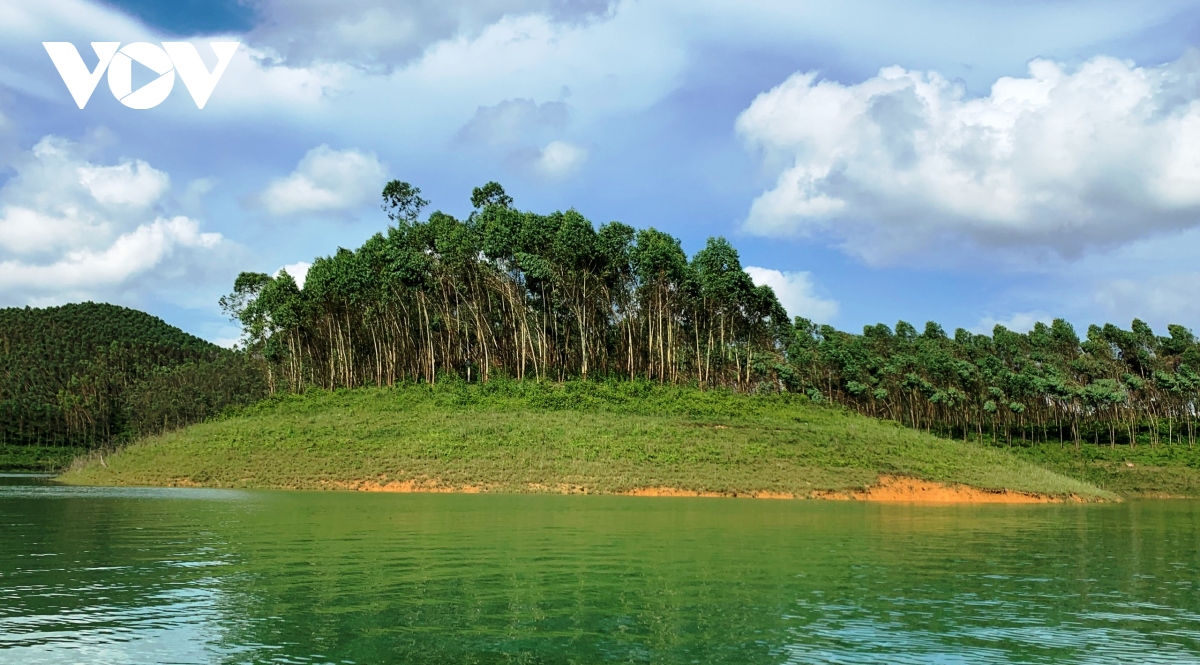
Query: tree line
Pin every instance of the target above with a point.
(1114, 386)
(548, 297)
(523, 295)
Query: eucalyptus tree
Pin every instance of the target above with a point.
(554, 296)
(662, 279)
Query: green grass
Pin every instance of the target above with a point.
(510, 436)
(39, 459)
(1148, 471)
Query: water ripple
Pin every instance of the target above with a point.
(127, 575)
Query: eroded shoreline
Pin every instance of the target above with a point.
(889, 489)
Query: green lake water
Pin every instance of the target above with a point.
(101, 575)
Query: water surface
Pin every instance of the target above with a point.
(100, 575)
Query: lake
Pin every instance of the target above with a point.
(102, 575)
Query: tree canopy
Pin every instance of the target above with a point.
(526, 295)
(514, 293)
(89, 373)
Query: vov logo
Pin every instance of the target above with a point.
(173, 57)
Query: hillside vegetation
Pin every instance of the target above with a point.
(594, 437)
(1150, 471)
(90, 374)
(554, 297)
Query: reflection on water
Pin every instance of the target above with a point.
(198, 576)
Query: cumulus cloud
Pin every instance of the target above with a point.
(130, 254)
(374, 35)
(58, 200)
(1062, 160)
(326, 180)
(298, 271)
(73, 228)
(135, 184)
(796, 292)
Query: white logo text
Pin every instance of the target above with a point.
(172, 58)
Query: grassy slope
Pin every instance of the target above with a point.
(518, 436)
(1149, 471)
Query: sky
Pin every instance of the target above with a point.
(969, 162)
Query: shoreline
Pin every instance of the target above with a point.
(888, 489)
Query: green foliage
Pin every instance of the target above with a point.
(491, 194)
(38, 459)
(67, 374)
(510, 293)
(1118, 387)
(403, 202)
(1147, 471)
(179, 395)
(518, 294)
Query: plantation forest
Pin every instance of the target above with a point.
(553, 297)
(93, 374)
(512, 295)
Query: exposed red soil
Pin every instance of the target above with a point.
(890, 489)
(675, 491)
(895, 489)
(402, 486)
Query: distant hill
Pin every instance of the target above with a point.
(77, 330)
(66, 373)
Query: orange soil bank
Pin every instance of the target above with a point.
(674, 491)
(910, 490)
(402, 486)
(890, 489)
(894, 489)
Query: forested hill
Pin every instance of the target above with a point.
(71, 333)
(506, 292)
(67, 373)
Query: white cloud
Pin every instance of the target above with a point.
(326, 180)
(71, 228)
(1160, 299)
(796, 292)
(1063, 160)
(560, 159)
(59, 200)
(298, 271)
(430, 98)
(368, 33)
(134, 184)
(294, 72)
(1021, 322)
(133, 253)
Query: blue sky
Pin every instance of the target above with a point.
(965, 162)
